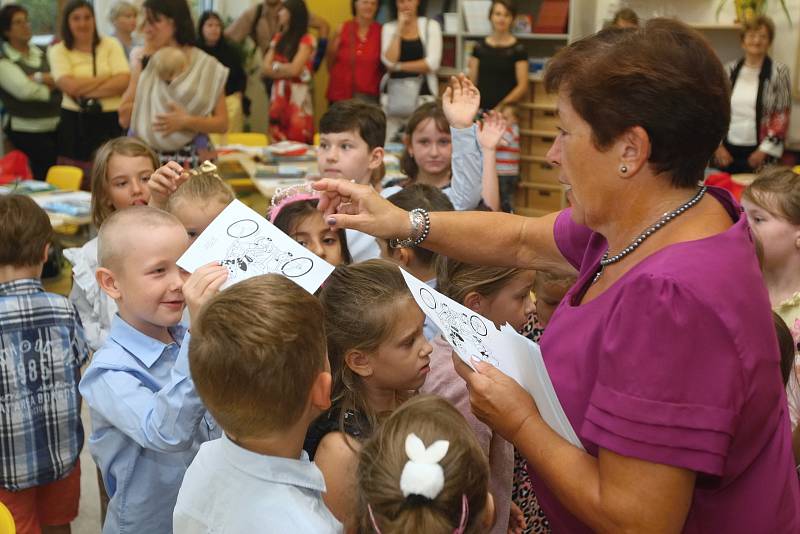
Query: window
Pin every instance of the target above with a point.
(43, 16)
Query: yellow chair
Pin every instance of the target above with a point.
(6, 521)
(247, 139)
(242, 185)
(65, 177)
(796, 169)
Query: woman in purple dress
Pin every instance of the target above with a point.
(663, 354)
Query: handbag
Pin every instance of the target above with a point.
(402, 93)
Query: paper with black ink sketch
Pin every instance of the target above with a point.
(472, 335)
(249, 245)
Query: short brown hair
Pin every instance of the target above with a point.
(255, 378)
(756, 23)
(124, 146)
(777, 190)
(508, 4)
(429, 110)
(626, 14)
(25, 231)
(383, 457)
(456, 279)
(663, 77)
(356, 115)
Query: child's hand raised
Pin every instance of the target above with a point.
(492, 130)
(164, 182)
(461, 101)
(202, 285)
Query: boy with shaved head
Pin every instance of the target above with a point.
(147, 419)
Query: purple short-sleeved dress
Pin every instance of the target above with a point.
(677, 363)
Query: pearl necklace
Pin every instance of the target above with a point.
(647, 233)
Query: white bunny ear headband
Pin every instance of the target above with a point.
(423, 477)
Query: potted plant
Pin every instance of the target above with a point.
(749, 9)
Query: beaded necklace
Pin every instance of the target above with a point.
(667, 217)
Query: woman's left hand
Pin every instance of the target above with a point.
(172, 121)
(496, 398)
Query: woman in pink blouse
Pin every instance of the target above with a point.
(663, 355)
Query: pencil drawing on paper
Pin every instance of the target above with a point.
(465, 333)
(252, 253)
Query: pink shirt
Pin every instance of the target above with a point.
(445, 382)
(677, 363)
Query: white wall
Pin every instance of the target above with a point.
(784, 49)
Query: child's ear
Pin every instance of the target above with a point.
(321, 391)
(359, 362)
(403, 255)
(489, 513)
(46, 252)
(474, 301)
(107, 281)
(375, 158)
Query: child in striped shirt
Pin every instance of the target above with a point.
(508, 158)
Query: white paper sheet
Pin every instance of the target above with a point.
(249, 245)
(472, 335)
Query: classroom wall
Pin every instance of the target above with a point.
(726, 42)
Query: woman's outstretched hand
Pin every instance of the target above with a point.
(461, 101)
(349, 205)
(496, 398)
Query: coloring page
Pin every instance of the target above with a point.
(472, 335)
(249, 245)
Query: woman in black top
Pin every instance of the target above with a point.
(211, 41)
(499, 63)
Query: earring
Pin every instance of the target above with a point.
(623, 169)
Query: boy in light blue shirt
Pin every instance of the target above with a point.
(147, 419)
(259, 362)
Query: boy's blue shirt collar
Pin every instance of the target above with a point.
(300, 472)
(21, 286)
(141, 346)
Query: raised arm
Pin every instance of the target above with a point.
(490, 135)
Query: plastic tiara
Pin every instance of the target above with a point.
(288, 195)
